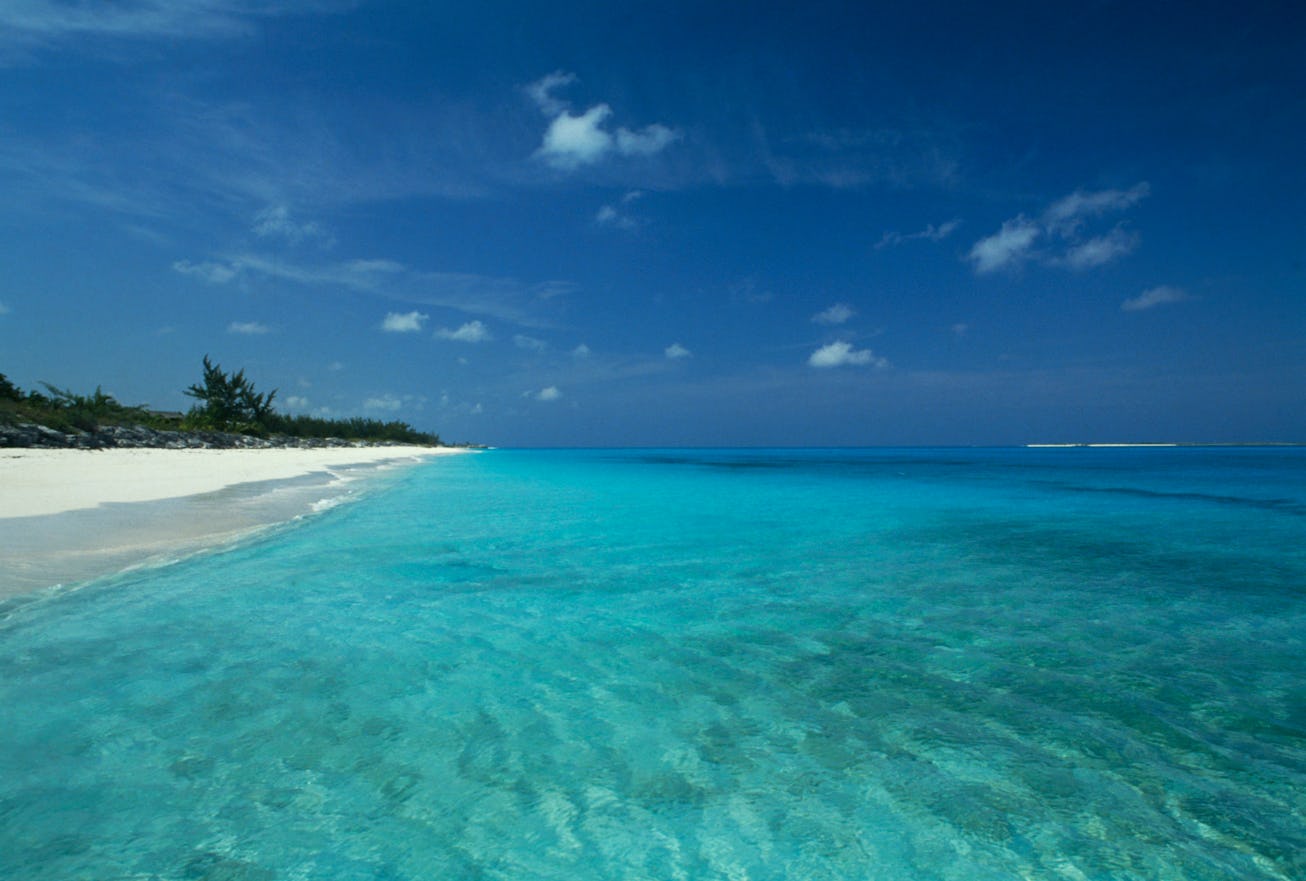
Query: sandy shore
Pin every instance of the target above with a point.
(70, 515)
(35, 482)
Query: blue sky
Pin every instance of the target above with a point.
(668, 223)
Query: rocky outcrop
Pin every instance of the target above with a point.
(26, 434)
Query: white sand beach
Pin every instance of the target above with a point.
(36, 482)
(70, 515)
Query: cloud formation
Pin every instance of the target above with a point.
(842, 354)
(530, 343)
(1101, 250)
(249, 328)
(1152, 297)
(836, 314)
(1066, 214)
(931, 233)
(676, 351)
(548, 394)
(40, 23)
(1059, 230)
(386, 402)
(575, 140)
(403, 322)
(471, 332)
(1007, 247)
(213, 273)
(275, 222)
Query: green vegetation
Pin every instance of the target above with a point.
(64, 410)
(228, 402)
(225, 402)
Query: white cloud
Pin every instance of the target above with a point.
(836, 314)
(251, 328)
(1060, 226)
(581, 351)
(541, 91)
(213, 273)
(610, 216)
(297, 402)
(1009, 246)
(275, 222)
(529, 343)
(1158, 296)
(1101, 250)
(25, 21)
(648, 141)
(841, 354)
(676, 351)
(471, 332)
(573, 141)
(548, 394)
(385, 402)
(403, 322)
(1065, 215)
(930, 233)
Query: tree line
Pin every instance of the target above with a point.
(224, 402)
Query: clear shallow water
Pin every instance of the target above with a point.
(692, 664)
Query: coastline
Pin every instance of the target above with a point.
(68, 516)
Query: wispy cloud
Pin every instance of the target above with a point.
(386, 402)
(276, 222)
(41, 23)
(529, 343)
(471, 332)
(1152, 297)
(617, 215)
(676, 351)
(541, 92)
(1008, 247)
(931, 233)
(1059, 230)
(850, 159)
(4, 310)
(503, 298)
(1065, 214)
(836, 314)
(547, 394)
(1101, 250)
(575, 140)
(842, 354)
(581, 351)
(213, 273)
(403, 322)
(249, 328)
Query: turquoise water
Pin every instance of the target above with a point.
(828, 664)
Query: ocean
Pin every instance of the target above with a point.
(691, 664)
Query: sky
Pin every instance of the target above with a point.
(701, 223)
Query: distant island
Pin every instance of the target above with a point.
(1169, 444)
(229, 413)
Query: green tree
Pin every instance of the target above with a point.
(9, 391)
(228, 401)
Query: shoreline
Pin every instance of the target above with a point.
(70, 516)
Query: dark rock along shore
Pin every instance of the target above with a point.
(27, 434)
